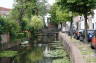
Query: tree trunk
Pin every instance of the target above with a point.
(64, 24)
(71, 26)
(85, 32)
(77, 26)
(61, 25)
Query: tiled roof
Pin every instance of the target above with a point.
(4, 9)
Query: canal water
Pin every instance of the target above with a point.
(43, 53)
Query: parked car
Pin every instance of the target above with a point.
(81, 38)
(89, 35)
(93, 43)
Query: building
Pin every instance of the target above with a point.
(79, 22)
(4, 11)
(76, 22)
(94, 20)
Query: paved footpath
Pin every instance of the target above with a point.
(80, 50)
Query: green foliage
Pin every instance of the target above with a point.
(8, 26)
(25, 24)
(34, 56)
(36, 23)
(58, 16)
(83, 7)
(62, 15)
(27, 8)
(13, 27)
(22, 13)
(3, 25)
(41, 8)
(29, 56)
(8, 53)
(79, 6)
(23, 35)
(22, 9)
(58, 53)
(20, 35)
(64, 60)
(61, 56)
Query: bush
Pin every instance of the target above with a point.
(8, 53)
(8, 26)
(20, 35)
(24, 24)
(3, 25)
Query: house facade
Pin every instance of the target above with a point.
(79, 22)
(4, 11)
(94, 20)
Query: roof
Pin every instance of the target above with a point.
(4, 9)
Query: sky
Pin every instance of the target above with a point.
(6, 3)
(51, 1)
(9, 3)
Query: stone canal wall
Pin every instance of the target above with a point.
(74, 52)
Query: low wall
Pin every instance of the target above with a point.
(74, 52)
(5, 60)
(9, 45)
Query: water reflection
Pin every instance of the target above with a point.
(34, 55)
(43, 53)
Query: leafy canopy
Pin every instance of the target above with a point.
(7, 25)
(79, 6)
(57, 15)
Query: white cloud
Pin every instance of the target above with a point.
(6, 3)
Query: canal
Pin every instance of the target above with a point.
(43, 53)
(48, 49)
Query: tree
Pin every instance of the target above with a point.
(23, 9)
(36, 23)
(41, 7)
(83, 7)
(58, 16)
(26, 9)
(8, 26)
(3, 25)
